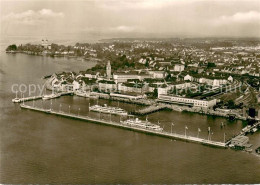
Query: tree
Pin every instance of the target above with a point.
(12, 47)
(211, 64)
(155, 92)
(231, 104)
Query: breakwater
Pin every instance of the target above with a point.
(128, 127)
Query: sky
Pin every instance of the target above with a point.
(131, 18)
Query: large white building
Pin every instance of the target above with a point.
(107, 86)
(186, 101)
(157, 74)
(123, 77)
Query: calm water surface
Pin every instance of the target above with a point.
(40, 148)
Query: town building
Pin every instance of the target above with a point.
(157, 74)
(131, 87)
(107, 86)
(120, 77)
(179, 67)
(186, 101)
(240, 141)
(45, 44)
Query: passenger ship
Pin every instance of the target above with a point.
(142, 124)
(108, 110)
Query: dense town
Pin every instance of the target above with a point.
(207, 76)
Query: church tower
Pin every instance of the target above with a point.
(108, 70)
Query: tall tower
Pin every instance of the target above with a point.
(108, 70)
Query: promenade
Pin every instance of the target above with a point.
(119, 125)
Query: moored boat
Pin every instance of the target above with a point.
(142, 124)
(108, 110)
(16, 100)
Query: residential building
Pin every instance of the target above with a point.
(179, 67)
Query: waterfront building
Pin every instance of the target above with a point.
(186, 101)
(131, 87)
(107, 86)
(76, 85)
(240, 141)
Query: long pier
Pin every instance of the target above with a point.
(115, 124)
(30, 98)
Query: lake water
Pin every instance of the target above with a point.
(40, 148)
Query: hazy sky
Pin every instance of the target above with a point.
(164, 18)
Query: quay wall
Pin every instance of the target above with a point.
(150, 132)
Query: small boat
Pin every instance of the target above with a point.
(248, 150)
(50, 96)
(16, 100)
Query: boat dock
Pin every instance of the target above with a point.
(31, 98)
(28, 99)
(244, 131)
(150, 109)
(119, 125)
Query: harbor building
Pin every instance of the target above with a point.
(240, 141)
(186, 101)
(107, 86)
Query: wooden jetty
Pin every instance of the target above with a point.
(119, 125)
